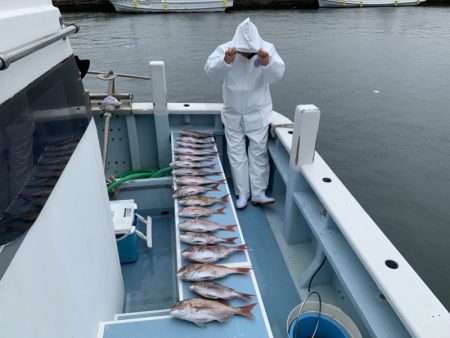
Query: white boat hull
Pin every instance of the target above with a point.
(368, 3)
(158, 6)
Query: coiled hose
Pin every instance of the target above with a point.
(138, 174)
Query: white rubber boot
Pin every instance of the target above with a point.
(262, 200)
(241, 203)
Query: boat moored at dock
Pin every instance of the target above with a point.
(368, 3)
(171, 6)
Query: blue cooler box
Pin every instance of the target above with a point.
(126, 238)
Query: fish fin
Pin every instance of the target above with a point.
(230, 227)
(201, 324)
(215, 187)
(243, 270)
(246, 310)
(224, 199)
(226, 319)
(241, 247)
(246, 296)
(211, 166)
(220, 211)
(230, 239)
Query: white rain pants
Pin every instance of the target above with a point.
(250, 172)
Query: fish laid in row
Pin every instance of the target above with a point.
(201, 311)
(196, 238)
(194, 145)
(196, 152)
(196, 134)
(194, 172)
(203, 225)
(197, 272)
(191, 190)
(217, 291)
(201, 201)
(192, 158)
(196, 212)
(188, 164)
(210, 253)
(196, 180)
(196, 140)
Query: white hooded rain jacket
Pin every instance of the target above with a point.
(246, 93)
(247, 107)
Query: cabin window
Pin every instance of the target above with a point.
(39, 129)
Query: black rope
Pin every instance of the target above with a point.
(315, 273)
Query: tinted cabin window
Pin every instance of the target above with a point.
(39, 130)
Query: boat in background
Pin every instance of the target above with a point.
(368, 3)
(171, 6)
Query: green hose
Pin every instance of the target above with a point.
(139, 171)
(139, 174)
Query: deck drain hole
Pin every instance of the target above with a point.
(326, 179)
(164, 212)
(187, 105)
(290, 132)
(391, 264)
(382, 296)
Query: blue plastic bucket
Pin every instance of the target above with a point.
(328, 327)
(127, 247)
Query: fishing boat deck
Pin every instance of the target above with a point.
(150, 283)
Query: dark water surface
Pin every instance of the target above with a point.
(381, 77)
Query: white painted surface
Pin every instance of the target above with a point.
(143, 6)
(40, 19)
(306, 125)
(417, 307)
(66, 277)
(368, 3)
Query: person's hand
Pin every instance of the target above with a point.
(264, 57)
(230, 55)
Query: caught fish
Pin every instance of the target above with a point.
(197, 272)
(194, 172)
(187, 164)
(210, 253)
(191, 190)
(196, 180)
(196, 134)
(196, 140)
(202, 225)
(217, 291)
(196, 152)
(196, 238)
(201, 311)
(194, 145)
(200, 201)
(192, 158)
(196, 212)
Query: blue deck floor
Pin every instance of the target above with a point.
(275, 284)
(150, 283)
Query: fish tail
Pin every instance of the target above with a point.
(245, 271)
(246, 310)
(230, 227)
(224, 181)
(214, 187)
(220, 211)
(211, 166)
(231, 239)
(224, 199)
(246, 296)
(242, 247)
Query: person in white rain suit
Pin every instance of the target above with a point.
(247, 65)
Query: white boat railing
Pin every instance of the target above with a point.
(10, 56)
